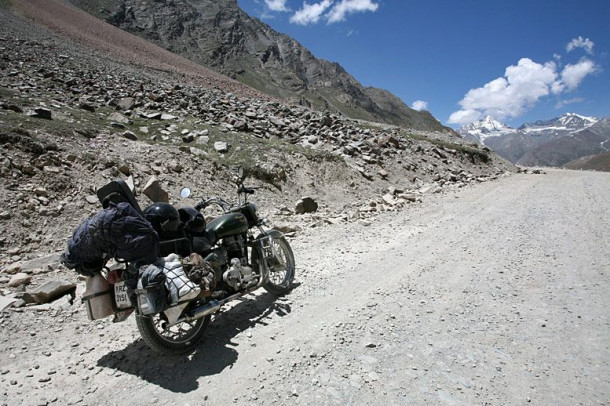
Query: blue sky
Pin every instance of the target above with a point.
(518, 61)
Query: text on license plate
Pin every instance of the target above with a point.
(120, 295)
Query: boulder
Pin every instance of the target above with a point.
(155, 192)
(198, 152)
(306, 205)
(203, 139)
(19, 279)
(41, 112)
(49, 291)
(126, 103)
(13, 268)
(124, 169)
(221, 147)
(118, 118)
(241, 125)
(85, 105)
(389, 199)
(130, 135)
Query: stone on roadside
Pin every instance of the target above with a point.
(92, 199)
(153, 116)
(13, 268)
(19, 279)
(126, 103)
(430, 189)
(306, 205)
(155, 192)
(49, 291)
(124, 169)
(221, 147)
(287, 228)
(241, 125)
(86, 105)
(389, 199)
(117, 118)
(203, 139)
(198, 152)
(130, 135)
(410, 197)
(41, 112)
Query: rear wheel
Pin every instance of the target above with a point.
(281, 266)
(177, 339)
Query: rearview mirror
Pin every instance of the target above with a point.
(185, 192)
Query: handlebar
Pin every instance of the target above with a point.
(216, 200)
(224, 205)
(247, 190)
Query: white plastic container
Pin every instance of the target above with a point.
(98, 297)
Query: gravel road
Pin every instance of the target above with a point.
(495, 294)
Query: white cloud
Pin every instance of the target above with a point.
(580, 42)
(563, 103)
(420, 105)
(310, 13)
(464, 116)
(508, 96)
(345, 7)
(521, 87)
(572, 75)
(276, 5)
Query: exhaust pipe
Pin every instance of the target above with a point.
(212, 306)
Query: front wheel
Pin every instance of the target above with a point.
(281, 266)
(177, 339)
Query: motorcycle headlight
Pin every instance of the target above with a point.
(254, 207)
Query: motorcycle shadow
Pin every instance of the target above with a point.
(216, 352)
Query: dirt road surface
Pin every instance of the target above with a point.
(496, 294)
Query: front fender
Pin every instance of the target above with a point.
(272, 232)
(257, 255)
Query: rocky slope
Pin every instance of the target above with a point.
(218, 34)
(72, 118)
(598, 162)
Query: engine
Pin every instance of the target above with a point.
(235, 246)
(238, 276)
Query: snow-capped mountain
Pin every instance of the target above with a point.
(545, 142)
(567, 124)
(480, 130)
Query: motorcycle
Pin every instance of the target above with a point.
(214, 262)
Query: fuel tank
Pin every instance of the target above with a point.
(228, 224)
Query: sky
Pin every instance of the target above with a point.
(516, 61)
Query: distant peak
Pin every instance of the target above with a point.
(485, 128)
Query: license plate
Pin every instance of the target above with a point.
(120, 295)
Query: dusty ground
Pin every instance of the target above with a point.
(496, 294)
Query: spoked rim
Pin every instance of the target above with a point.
(179, 333)
(280, 272)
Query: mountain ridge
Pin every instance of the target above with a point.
(553, 142)
(221, 36)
